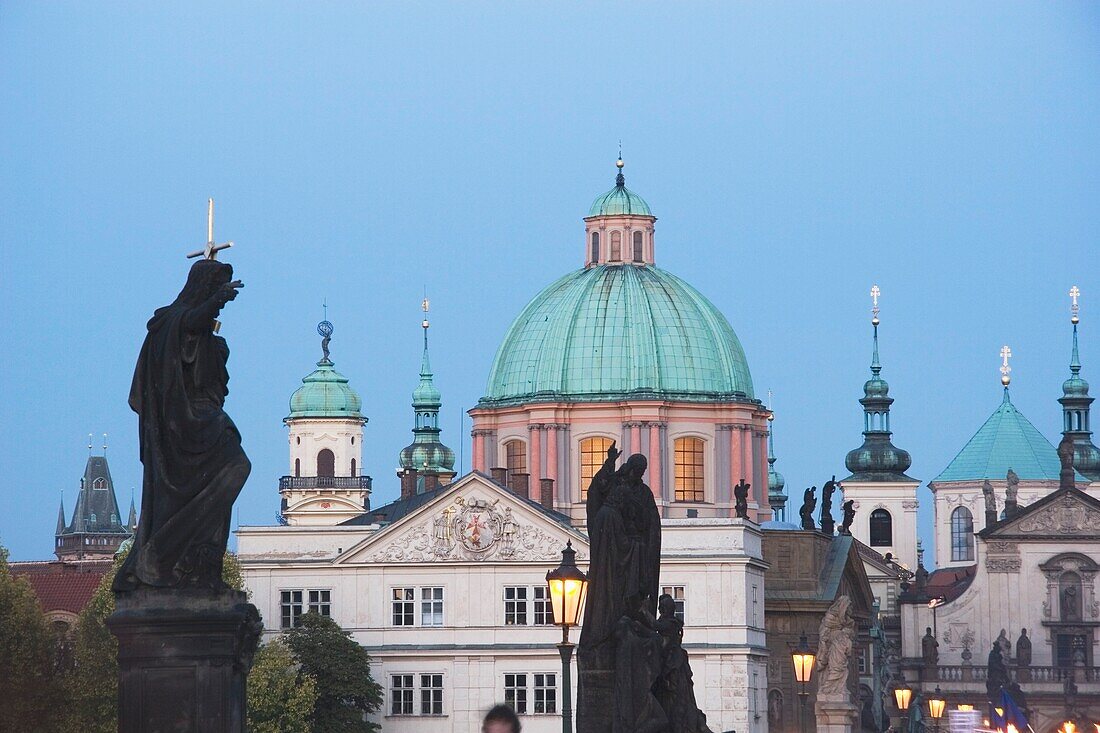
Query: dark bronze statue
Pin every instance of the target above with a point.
(619, 654)
(828, 526)
(849, 509)
(194, 466)
(1023, 649)
(806, 512)
(741, 499)
(675, 689)
(929, 648)
(1066, 477)
(996, 672)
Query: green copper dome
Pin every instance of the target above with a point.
(613, 332)
(325, 393)
(619, 201)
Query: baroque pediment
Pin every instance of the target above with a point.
(477, 521)
(1066, 513)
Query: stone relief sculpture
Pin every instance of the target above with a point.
(836, 637)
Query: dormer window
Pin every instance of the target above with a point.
(99, 483)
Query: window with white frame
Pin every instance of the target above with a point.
(531, 693)
(431, 606)
(290, 608)
(403, 606)
(678, 597)
(431, 694)
(401, 694)
(320, 602)
(527, 606)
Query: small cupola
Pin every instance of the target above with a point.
(619, 227)
(1076, 404)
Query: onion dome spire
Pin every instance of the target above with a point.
(877, 459)
(1076, 403)
(426, 454)
(777, 497)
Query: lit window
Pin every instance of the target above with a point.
(404, 605)
(515, 452)
(515, 692)
(431, 694)
(291, 608)
(401, 694)
(677, 593)
(593, 454)
(882, 528)
(638, 247)
(616, 246)
(546, 693)
(595, 247)
(515, 606)
(431, 606)
(962, 534)
(320, 602)
(689, 469)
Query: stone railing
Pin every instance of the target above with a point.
(976, 673)
(350, 483)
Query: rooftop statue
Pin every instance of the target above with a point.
(194, 465)
(806, 512)
(827, 524)
(741, 499)
(849, 509)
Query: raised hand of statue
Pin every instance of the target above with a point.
(228, 291)
(613, 453)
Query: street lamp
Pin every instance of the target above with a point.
(935, 603)
(936, 705)
(902, 695)
(803, 658)
(568, 586)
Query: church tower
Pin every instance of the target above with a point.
(426, 459)
(325, 485)
(885, 498)
(1075, 403)
(97, 529)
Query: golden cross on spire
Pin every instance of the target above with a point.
(1006, 354)
(1074, 294)
(210, 251)
(875, 292)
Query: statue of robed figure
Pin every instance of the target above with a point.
(194, 465)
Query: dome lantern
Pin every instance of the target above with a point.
(619, 227)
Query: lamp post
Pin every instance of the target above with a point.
(803, 658)
(902, 695)
(934, 604)
(568, 586)
(936, 705)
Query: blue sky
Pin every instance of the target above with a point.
(794, 154)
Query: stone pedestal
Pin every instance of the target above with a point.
(594, 700)
(183, 660)
(835, 716)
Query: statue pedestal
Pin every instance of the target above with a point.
(594, 700)
(183, 659)
(835, 716)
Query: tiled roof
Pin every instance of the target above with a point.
(1006, 440)
(62, 586)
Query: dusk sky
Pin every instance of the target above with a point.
(794, 154)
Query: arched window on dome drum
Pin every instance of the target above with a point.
(638, 257)
(593, 454)
(616, 247)
(515, 456)
(326, 463)
(297, 466)
(962, 535)
(882, 528)
(688, 469)
(595, 247)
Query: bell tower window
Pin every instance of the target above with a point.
(882, 528)
(297, 466)
(353, 473)
(326, 463)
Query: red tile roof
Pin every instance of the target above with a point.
(62, 586)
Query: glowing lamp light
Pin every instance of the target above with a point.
(968, 708)
(902, 696)
(1011, 729)
(803, 658)
(568, 587)
(936, 704)
(1069, 726)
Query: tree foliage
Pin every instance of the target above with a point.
(346, 692)
(281, 696)
(29, 686)
(92, 685)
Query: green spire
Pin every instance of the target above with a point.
(1076, 405)
(777, 497)
(426, 453)
(61, 515)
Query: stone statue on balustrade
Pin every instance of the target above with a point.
(929, 648)
(1023, 649)
(990, 503)
(1012, 489)
(675, 689)
(741, 499)
(836, 638)
(996, 672)
(828, 526)
(1006, 646)
(849, 509)
(806, 511)
(619, 654)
